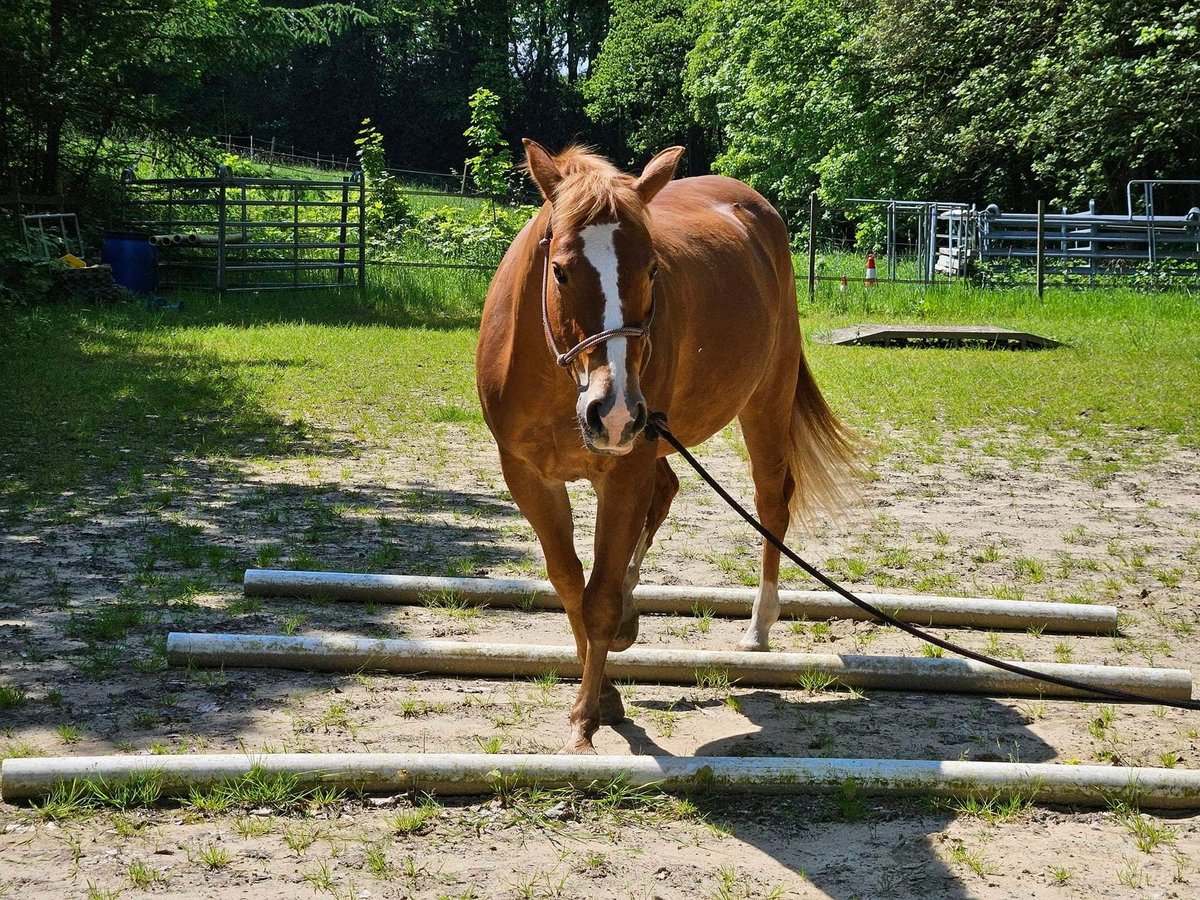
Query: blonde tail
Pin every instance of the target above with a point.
(824, 455)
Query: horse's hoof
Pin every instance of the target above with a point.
(753, 645)
(577, 748)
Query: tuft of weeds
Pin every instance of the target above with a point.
(714, 679)
(451, 604)
(1147, 834)
(143, 876)
(69, 734)
(214, 857)
(321, 878)
(850, 802)
(12, 696)
(417, 820)
(300, 837)
(82, 797)
(999, 808)
(815, 681)
(376, 860)
(253, 826)
(279, 792)
(972, 859)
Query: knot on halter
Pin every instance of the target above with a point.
(656, 426)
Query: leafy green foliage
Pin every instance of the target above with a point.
(452, 232)
(492, 160)
(21, 281)
(955, 99)
(637, 81)
(78, 73)
(387, 210)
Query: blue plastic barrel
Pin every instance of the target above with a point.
(134, 261)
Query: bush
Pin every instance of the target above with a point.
(21, 281)
(455, 233)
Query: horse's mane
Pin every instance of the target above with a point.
(592, 188)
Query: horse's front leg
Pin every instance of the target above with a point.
(623, 502)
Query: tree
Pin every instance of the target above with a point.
(773, 79)
(78, 71)
(637, 80)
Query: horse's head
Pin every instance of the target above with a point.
(601, 278)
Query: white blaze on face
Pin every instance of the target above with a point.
(600, 250)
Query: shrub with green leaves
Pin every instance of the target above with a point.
(492, 160)
(451, 232)
(387, 210)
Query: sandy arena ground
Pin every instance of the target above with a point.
(979, 514)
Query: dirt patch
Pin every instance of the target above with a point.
(91, 584)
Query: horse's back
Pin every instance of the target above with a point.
(731, 295)
(727, 215)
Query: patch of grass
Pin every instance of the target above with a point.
(417, 820)
(999, 808)
(490, 745)
(713, 679)
(143, 876)
(1147, 834)
(69, 734)
(321, 878)
(81, 798)
(214, 857)
(451, 604)
(814, 681)
(376, 860)
(971, 859)
(280, 792)
(12, 696)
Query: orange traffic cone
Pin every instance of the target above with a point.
(870, 269)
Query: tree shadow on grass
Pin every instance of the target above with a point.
(92, 400)
(93, 654)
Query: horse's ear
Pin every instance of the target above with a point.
(658, 172)
(541, 167)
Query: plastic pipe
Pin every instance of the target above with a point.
(903, 673)
(1073, 618)
(475, 774)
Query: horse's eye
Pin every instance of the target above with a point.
(559, 275)
(654, 271)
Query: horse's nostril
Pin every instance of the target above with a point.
(592, 418)
(639, 418)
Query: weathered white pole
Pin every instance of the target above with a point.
(474, 774)
(903, 673)
(1072, 618)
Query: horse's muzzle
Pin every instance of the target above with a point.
(611, 428)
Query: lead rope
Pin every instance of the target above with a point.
(656, 427)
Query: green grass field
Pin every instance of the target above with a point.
(91, 392)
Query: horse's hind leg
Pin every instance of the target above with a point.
(666, 486)
(766, 430)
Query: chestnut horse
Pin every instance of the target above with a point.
(611, 267)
